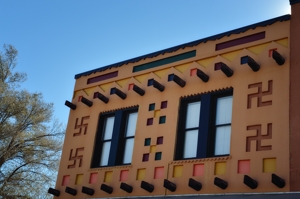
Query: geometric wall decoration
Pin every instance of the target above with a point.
(65, 180)
(108, 176)
(198, 170)
(141, 173)
(158, 172)
(269, 165)
(75, 158)
(258, 49)
(220, 168)
(244, 166)
(79, 179)
(93, 178)
(259, 137)
(158, 156)
(177, 171)
(145, 157)
(259, 94)
(124, 174)
(81, 125)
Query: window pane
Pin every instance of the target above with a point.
(190, 144)
(193, 114)
(108, 128)
(222, 144)
(131, 124)
(105, 153)
(224, 110)
(128, 151)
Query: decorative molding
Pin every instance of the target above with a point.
(213, 159)
(110, 168)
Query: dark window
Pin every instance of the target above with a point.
(204, 126)
(115, 138)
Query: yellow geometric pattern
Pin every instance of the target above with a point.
(161, 73)
(123, 82)
(141, 78)
(105, 87)
(205, 62)
(182, 68)
(284, 42)
(88, 91)
(258, 49)
(231, 55)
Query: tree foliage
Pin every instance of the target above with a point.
(30, 140)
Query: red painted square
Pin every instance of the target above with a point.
(130, 86)
(271, 51)
(193, 72)
(160, 140)
(149, 121)
(244, 166)
(158, 172)
(65, 180)
(124, 175)
(93, 178)
(198, 170)
(163, 104)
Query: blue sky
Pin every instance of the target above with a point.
(60, 38)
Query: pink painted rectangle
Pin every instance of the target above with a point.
(93, 178)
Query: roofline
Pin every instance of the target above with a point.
(189, 44)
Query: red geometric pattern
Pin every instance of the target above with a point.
(81, 125)
(259, 137)
(259, 94)
(76, 157)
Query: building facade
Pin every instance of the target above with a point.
(214, 116)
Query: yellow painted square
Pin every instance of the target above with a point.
(157, 113)
(177, 171)
(269, 165)
(152, 149)
(79, 179)
(108, 176)
(141, 174)
(220, 168)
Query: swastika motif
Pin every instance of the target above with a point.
(75, 157)
(81, 126)
(259, 137)
(259, 94)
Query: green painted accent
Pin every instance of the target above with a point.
(147, 142)
(164, 61)
(151, 107)
(158, 156)
(162, 119)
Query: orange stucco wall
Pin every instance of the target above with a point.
(271, 80)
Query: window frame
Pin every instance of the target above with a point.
(207, 128)
(118, 140)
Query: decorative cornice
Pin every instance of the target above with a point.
(205, 92)
(110, 168)
(214, 159)
(122, 108)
